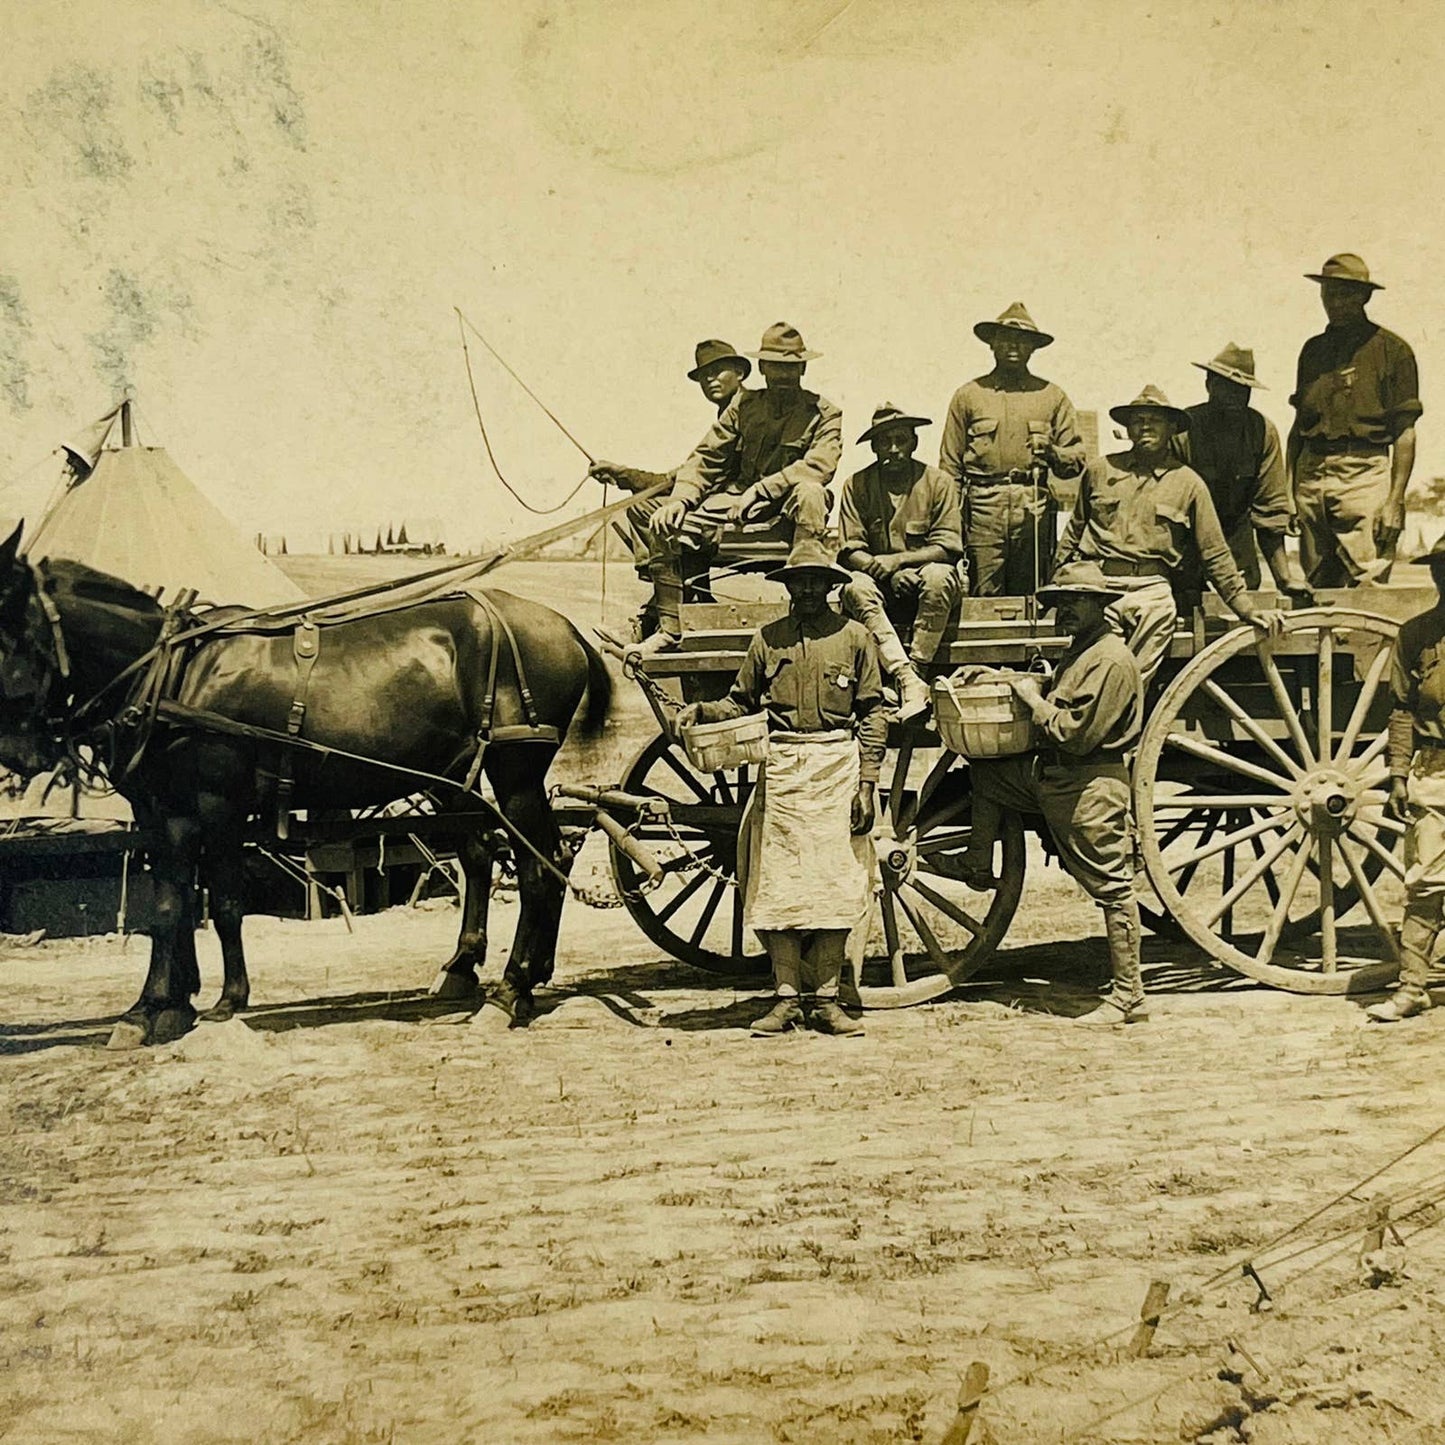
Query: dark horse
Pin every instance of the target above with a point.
(406, 686)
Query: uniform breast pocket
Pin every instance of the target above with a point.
(915, 535)
(983, 439)
(839, 685)
(1171, 519)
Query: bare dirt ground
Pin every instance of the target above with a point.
(355, 1218)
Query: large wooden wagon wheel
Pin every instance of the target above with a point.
(928, 931)
(1259, 791)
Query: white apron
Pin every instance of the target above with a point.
(800, 865)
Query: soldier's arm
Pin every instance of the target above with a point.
(870, 713)
(1078, 519)
(955, 437)
(746, 693)
(1066, 447)
(1097, 700)
(1270, 512)
(707, 465)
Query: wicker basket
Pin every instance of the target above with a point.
(727, 744)
(982, 719)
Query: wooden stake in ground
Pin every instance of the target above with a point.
(1149, 1313)
(975, 1382)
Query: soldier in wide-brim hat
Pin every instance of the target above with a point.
(1351, 449)
(1088, 717)
(805, 855)
(1007, 433)
(1237, 451)
(1142, 516)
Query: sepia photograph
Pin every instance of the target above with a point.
(722, 723)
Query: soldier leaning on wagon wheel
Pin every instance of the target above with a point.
(1352, 447)
(1140, 515)
(1088, 717)
(901, 537)
(804, 845)
(769, 453)
(719, 372)
(1005, 433)
(1416, 756)
(1236, 450)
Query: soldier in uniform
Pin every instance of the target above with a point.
(1005, 433)
(1352, 447)
(804, 847)
(1416, 754)
(1088, 718)
(901, 538)
(1236, 450)
(1141, 515)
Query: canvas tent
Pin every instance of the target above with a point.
(130, 511)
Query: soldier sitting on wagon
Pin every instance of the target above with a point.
(719, 372)
(1088, 718)
(1141, 515)
(770, 453)
(901, 539)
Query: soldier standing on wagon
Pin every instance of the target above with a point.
(1236, 450)
(804, 848)
(901, 538)
(1141, 515)
(1005, 433)
(1352, 446)
(770, 453)
(1416, 755)
(1088, 718)
(719, 372)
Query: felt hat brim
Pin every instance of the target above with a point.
(1050, 596)
(987, 330)
(1177, 415)
(881, 426)
(836, 574)
(1348, 280)
(804, 355)
(697, 371)
(1230, 373)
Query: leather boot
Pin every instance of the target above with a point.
(827, 1017)
(1418, 930)
(1125, 1001)
(913, 695)
(786, 1014)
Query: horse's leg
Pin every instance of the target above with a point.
(458, 975)
(517, 774)
(223, 865)
(163, 1011)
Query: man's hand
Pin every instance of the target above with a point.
(1026, 688)
(686, 716)
(737, 510)
(667, 520)
(1297, 589)
(887, 565)
(608, 473)
(1389, 523)
(1397, 805)
(1268, 620)
(861, 814)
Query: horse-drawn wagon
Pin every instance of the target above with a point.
(1259, 788)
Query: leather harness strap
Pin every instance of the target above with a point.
(306, 646)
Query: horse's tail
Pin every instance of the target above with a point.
(599, 689)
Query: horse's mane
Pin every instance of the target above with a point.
(86, 584)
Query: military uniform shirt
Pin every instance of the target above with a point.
(812, 677)
(1356, 383)
(1098, 699)
(880, 519)
(1417, 673)
(770, 438)
(1237, 452)
(1129, 514)
(987, 430)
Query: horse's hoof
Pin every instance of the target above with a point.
(172, 1024)
(453, 985)
(127, 1034)
(225, 1009)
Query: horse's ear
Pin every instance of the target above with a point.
(11, 546)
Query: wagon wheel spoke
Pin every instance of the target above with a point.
(683, 894)
(1329, 939)
(1369, 898)
(947, 906)
(701, 793)
(897, 793)
(1387, 858)
(723, 791)
(1270, 885)
(1230, 840)
(1288, 712)
(1250, 877)
(1376, 818)
(1208, 753)
(1362, 763)
(942, 842)
(1211, 827)
(1325, 696)
(736, 934)
(1220, 800)
(1216, 691)
(936, 950)
(1280, 915)
(704, 919)
(1368, 688)
(891, 939)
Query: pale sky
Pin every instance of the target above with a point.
(260, 216)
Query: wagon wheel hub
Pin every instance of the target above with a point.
(1325, 801)
(897, 858)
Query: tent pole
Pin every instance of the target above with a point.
(127, 429)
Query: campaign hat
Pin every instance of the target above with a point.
(889, 415)
(1234, 363)
(1015, 319)
(782, 342)
(1345, 266)
(810, 554)
(707, 352)
(1077, 579)
(1150, 399)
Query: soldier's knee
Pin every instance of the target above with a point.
(939, 579)
(808, 504)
